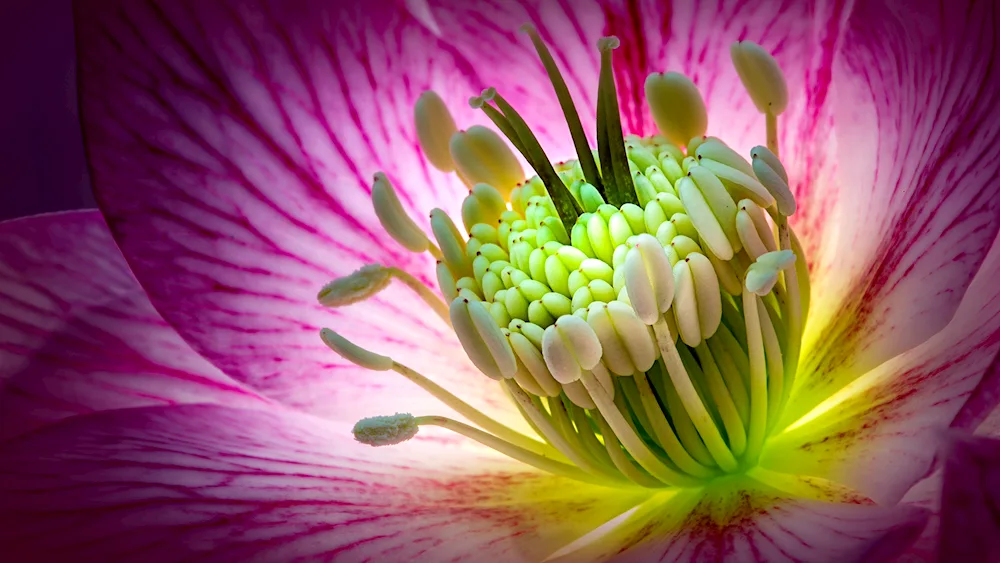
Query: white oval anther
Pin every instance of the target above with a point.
(451, 242)
(354, 353)
(677, 106)
(707, 292)
(393, 217)
(709, 230)
(358, 286)
(570, 346)
(745, 185)
(776, 182)
(686, 304)
(482, 339)
(648, 278)
(761, 76)
(480, 155)
(718, 151)
(435, 126)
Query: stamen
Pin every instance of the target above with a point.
(677, 107)
(707, 293)
(691, 401)
(775, 366)
(481, 156)
(731, 420)
(394, 219)
(586, 158)
(664, 433)
(370, 360)
(610, 141)
(758, 377)
(435, 126)
(551, 435)
(520, 454)
(371, 279)
(620, 460)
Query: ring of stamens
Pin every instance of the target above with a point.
(634, 301)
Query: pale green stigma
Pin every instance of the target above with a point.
(640, 304)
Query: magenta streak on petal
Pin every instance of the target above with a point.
(232, 147)
(206, 483)
(78, 335)
(914, 212)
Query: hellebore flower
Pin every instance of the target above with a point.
(652, 363)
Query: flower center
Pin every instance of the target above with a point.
(634, 302)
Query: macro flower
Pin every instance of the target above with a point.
(640, 283)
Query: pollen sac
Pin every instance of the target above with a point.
(482, 339)
(648, 278)
(435, 126)
(627, 347)
(772, 176)
(570, 346)
(360, 285)
(385, 430)
(393, 217)
(676, 105)
(480, 155)
(761, 76)
(354, 353)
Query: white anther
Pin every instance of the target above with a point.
(677, 106)
(718, 151)
(354, 353)
(385, 430)
(393, 217)
(706, 287)
(763, 274)
(435, 126)
(648, 278)
(745, 185)
(480, 155)
(752, 242)
(760, 222)
(634, 336)
(358, 286)
(570, 346)
(761, 76)
(719, 201)
(709, 230)
(482, 339)
(446, 281)
(774, 179)
(451, 242)
(685, 306)
(531, 357)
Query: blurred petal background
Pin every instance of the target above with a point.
(42, 162)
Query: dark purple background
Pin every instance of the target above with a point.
(42, 166)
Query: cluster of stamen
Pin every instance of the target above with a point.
(639, 304)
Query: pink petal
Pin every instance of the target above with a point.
(77, 333)
(980, 410)
(207, 483)
(912, 212)
(964, 497)
(879, 434)
(233, 149)
(751, 522)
